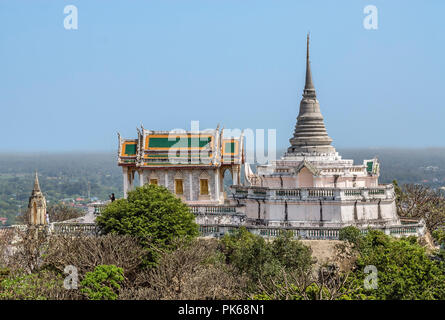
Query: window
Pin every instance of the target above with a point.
(154, 181)
(204, 184)
(179, 188)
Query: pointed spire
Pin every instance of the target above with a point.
(309, 90)
(310, 136)
(36, 184)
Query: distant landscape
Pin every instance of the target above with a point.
(71, 176)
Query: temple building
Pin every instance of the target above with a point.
(189, 164)
(310, 186)
(37, 206)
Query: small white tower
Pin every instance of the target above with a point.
(37, 205)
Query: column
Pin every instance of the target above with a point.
(166, 179)
(217, 184)
(141, 177)
(235, 176)
(125, 180)
(130, 179)
(191, 185)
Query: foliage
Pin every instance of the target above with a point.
(153, 215)
(86, 253)
(35, 286)
(405, 271)
(103, 283)
(351, 234)
(29, 247)
(252, 255)
(327, 284)
(421, 202)
(439, 236)
(195, 270)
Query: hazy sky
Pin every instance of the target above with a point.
(238, 63)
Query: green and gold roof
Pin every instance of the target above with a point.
(179, 149)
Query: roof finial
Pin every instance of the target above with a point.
(309, 89)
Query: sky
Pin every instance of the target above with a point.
(237, 63)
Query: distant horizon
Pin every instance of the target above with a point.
(84, 151)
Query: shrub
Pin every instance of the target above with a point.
(258, 259)
(86, 253)
(350, 234)
(103, 283)
(35, 286)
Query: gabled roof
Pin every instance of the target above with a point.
(309, 166)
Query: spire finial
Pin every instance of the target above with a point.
(309, 90)
(36, 183)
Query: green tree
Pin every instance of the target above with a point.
(404, 269)
(153, 215)
(260, 259)
(103, 283)
(439, 237)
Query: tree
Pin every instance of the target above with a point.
(421, 202)
(259, 259)
(404, 269)
(86, 253)
(196, 270)
(153, 215)
(61, 212)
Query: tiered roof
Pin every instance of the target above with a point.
(180, 149)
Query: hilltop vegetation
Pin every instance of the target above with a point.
(148, 249)
(72, 175)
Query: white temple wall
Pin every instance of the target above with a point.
(324, 181)
(331, 212)
(305, 178)
(276, 211)
(303, 211)
(347, 212)
(272, 182)
(387, 210)
(371, 181)
(289, 182)
(367, 211)
(252, 209)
